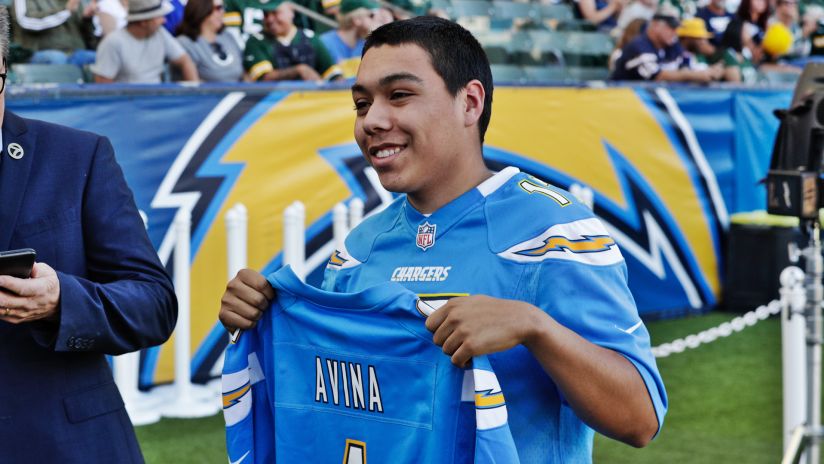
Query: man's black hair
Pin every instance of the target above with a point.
(455, 54)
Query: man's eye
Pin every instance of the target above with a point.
(361, 107)
(398, 94)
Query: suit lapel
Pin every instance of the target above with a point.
(14, 174)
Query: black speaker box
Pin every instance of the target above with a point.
(756, 255)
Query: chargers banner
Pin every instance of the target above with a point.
(666, 169)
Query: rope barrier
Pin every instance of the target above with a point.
(723, 330)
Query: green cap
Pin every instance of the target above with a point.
(270, 5)
(348, 6)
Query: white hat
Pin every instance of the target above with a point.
(148, 9)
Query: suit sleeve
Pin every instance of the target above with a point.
(126, 300)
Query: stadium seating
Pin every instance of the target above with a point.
(30, 73)
(508, 73)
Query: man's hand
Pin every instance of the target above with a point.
(32, 299)
(72, 5)
(245, 299)
(307, 73)
(476, 325)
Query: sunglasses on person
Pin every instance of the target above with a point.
(218, 50)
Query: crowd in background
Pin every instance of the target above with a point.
(712, 41)
(149, 41)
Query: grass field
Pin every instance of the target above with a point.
(725, 406)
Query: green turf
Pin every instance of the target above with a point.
(725, 406)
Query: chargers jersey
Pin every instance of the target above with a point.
(329, 377)
(513, 237)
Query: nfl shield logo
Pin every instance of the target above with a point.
(426, 236)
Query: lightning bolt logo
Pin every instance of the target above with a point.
(233, 397)
(588, 244)
(489, 399)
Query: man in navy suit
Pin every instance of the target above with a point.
(98, 288)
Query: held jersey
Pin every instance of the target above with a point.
(513, 237)
(351, 378)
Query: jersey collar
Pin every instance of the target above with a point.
(451, 213)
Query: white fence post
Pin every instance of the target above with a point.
(294, 238)
(188, 401)
(339, 226)
(237, 220)
(355, 212)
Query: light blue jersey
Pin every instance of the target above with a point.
(330, 377)
(513, 237)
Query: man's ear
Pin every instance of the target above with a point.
(474, 95)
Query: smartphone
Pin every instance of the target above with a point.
(17, 263)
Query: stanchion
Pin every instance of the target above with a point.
(806, 438)
(187, 400)
(793, 360)
(339, 226)
(294, 241)
(237, 221)
(355, 212)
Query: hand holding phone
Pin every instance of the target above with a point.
(17, 263)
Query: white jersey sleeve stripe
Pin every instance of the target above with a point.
(38, 24)
(585, 241)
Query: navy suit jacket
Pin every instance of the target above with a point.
(67, 198)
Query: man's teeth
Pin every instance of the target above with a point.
(388, 152)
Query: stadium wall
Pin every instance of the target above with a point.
(667, 167)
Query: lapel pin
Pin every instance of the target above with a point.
(15, 150)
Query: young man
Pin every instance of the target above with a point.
(547, 286)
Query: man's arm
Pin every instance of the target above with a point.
(125, 300)
(712, 73)
(43, 19)
(604, 389)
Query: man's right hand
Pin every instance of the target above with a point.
(307, 73)
(245, 299)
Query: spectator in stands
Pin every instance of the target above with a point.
(345, 44)
(385, 15)
(601, 13)
(697, 51)
(137, 53)
(55, 30)
(738, 57)
(753, 14)
(656, 55)
(286, 52)
(786, 13)
(716, 17)
(214, 52)
(637, 9)
(110, 16)
(630, 32)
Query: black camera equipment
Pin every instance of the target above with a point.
(795, 188)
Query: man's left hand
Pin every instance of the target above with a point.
(32, 299)
(476, 325)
